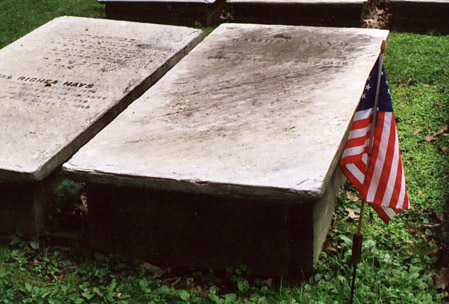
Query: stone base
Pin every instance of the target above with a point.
(309, 13)
(204, 231)
(24, 207)
(174, 13)
(420, 16)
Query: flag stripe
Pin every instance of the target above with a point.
(386, 169)
(380, 177)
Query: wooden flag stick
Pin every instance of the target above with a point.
(358, 238)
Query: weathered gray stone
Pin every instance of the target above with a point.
(345, 13)
(254, 110)
(256, 115)
(66, 80)
(59, 86)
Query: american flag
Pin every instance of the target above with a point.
(381, 182)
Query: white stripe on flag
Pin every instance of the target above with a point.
(365, 158)
(400, 203)
(391, 183)
(364, 114)
(355, 150)
(380, 157)
(390, 212)
(356, 172)
(358, 133)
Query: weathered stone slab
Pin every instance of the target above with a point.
(178, 12)
(66, 80)
(299, 1)
(59, 86)
(254, 116)
(346, 13)
(420, 16)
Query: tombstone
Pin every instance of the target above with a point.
(178, 12)
(233, 156)
(298, 12)
(420, 16)
(60, 85)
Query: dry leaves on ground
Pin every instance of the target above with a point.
(442, 280)
(434, 136)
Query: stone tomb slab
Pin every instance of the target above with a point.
(346, 13)
(178, 12)
(420, 16)
(63, 82)
(232, 156)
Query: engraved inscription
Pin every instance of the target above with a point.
(105, 53)
(37, 91)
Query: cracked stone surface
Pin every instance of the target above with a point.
(253, 111)
(63, 82)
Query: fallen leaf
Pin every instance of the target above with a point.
(444, 149)
(417, 131)
(433, 137)
(439, 105)
(35, 263)
(411, 231)
(434, 252)
(442, 280)
(351, 214)
(157, 271)
(431, 226)
(429, 138)
(328, 246)
(410, 242)
(172, 281)
(118, 295)
(420, 193)
(268, 282)
(439, 216)
(352, 198)
(443, 130)
(190, 283)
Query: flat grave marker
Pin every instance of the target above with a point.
(346, 13)
(178, 12)
(63, 82)
(233, 155)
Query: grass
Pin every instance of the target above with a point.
(398, 260)
(17, 18)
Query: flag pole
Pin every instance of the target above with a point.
(358, 238)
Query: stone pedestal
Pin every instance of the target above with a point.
(24, 206)
(420, 16)
(177, 12)
(347, 13)
(274, 238)
(232, 156)
(60, 85)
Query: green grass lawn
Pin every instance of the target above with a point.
(17, 18)
(399, 260)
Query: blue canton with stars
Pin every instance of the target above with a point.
(369, 94)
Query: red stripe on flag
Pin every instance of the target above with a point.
(373, 158)
(351, 178)
(360, 124)
(386, 169)
(355, 142)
